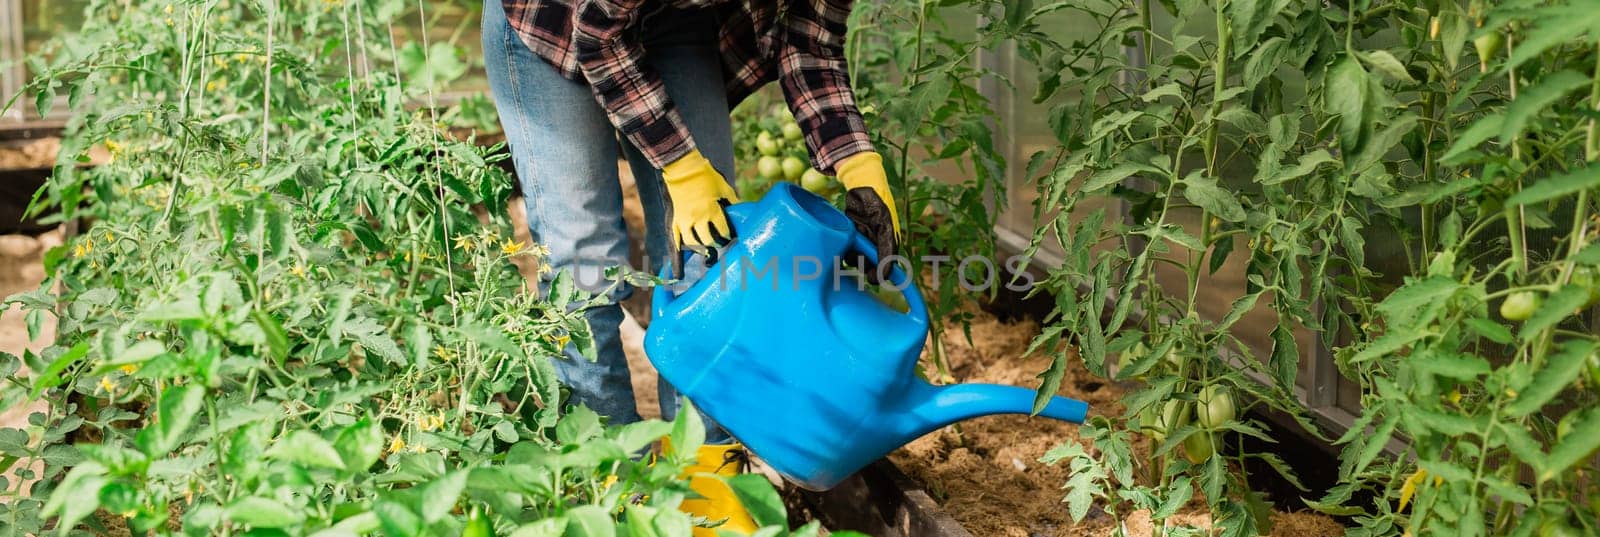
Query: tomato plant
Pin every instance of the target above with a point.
(1292, 142)
(292, 310)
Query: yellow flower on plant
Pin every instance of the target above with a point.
(444, 354)
(396, 445)
(539, 250)
(418, 449)
(429, 422)
(511, 247)
(108, 237)
(464, 242)
(298, 270)
(544, 269)
(107, 385)
(129, 368)
(77, 250)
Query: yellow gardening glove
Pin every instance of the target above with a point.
(717, 502)
(869, 203)
(698, 195)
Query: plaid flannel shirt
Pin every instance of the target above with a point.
(800, 43)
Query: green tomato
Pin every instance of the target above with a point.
(1588, 278)
(1557, 528)
(766, 144)
(793, 168)
(1594, 371)
(1215, 406)
(1519, 306)
(1174, 414)
(814, 181)
(769, 167)
(1198, 447)
(791, 131)
(478, 524)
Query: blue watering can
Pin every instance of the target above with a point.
(810, 372)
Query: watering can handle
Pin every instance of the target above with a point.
(897, 276)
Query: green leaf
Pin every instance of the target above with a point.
(381, 344)
(688, 431)
(1308, 163)
(1385, 63)
(50, 377)
(1575, 447)
(306, 448)
(1558, 306)
(1445, 470)
(1346, 97)
(1405, 301)
(396, 520)
(261, 512)
(1106, 178)
(1589, 255)
(440, 496)
(174, 415)
(359, 445)
(76, 497)
(549, 527)
(1561, 185)
(1203, 191)
(1490, 330)
(1266, 59)
(590, 521)
(1535, 99)
(758, 497)
(1285, 359)
(1561, 28)
(1480, 131)
(1561, 369)
(1373, 445)
(1180, 491)
(277, 340)
(1050, 381)
(1452, 365)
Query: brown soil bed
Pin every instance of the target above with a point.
(985, 472)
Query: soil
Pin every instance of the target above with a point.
(37, 153)
(985, 472)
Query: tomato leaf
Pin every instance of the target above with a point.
(440, 495)
(307, 449)
(174, 414)
(1560, 305)
(1535, 99)
(50, 377)
(1346, 97)
(1385, 63)
(1552, 31)
(1562, 368)
(1180, 491)
(1554, 187)
(1575, 447)
(1480, 131)
(259, 512)
(1204, 191)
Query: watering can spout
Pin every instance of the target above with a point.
(931, 407)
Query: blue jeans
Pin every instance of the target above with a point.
(565, 152)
